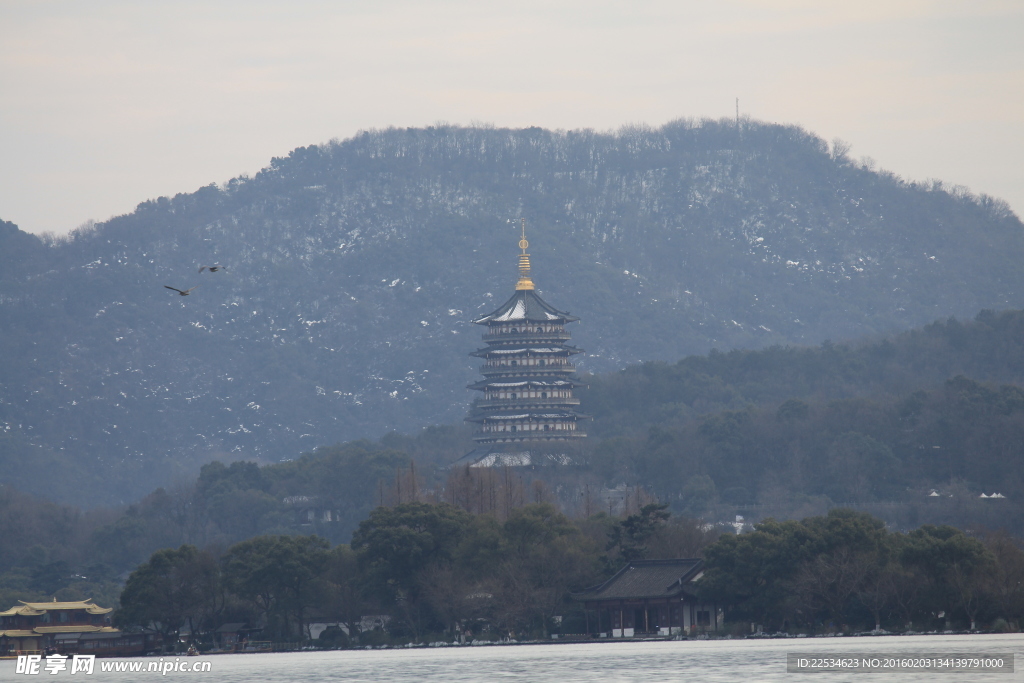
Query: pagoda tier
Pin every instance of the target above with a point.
(529, 379)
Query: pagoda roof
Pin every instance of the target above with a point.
(524, 349)
(483, 384)
(526, 416)
(646, 579)
(525, 305)
(543, 350)
(32, 609)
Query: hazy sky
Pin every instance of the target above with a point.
(105, 104)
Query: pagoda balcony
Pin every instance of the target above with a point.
(524, 403)
(529, 436)
(493, 337)
(549, 365)
(525, 374)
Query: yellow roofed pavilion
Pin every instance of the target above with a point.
(33, 626)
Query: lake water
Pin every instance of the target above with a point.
(715, 661)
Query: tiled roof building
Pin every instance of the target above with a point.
(651, 597)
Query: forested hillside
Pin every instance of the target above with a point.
(989, 348)
(891, 427)
(351, 270)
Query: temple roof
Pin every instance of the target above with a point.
(74, 628)
(646, 579)
(87, 605)
(525, 305)
(67, 630)
(22, 611)
(33, 609)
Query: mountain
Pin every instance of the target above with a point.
(351, 270)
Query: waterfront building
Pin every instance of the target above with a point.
(650, 597)
(528, 407)
(70, 627)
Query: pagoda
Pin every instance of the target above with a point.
(529, 379)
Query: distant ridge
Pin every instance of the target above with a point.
(356, 266)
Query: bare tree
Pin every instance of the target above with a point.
(830, 580)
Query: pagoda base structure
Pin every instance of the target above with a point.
(511, 455)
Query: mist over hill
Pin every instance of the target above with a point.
(353, 268)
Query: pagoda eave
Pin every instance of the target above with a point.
(560, 435)
(568, 382)
(536, 351)
(531, 403)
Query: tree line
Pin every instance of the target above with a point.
(846, 571)
(435, 570)
(926, 456)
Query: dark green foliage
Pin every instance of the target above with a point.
(846, 571)
(345, 478)
(333, 638)
(279, 576)
(394, 543)
(989, 348)
(789, 457)
(631, 535)
(544, 557)
(172, 589)
(953, 567)
(45, 552)
(50, 577)
(792, 410)
(342, 591)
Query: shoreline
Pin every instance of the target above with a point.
(572, 641)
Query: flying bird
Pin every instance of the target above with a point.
(182, 292)
(212, 269)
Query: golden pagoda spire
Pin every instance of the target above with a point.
(524, 261)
